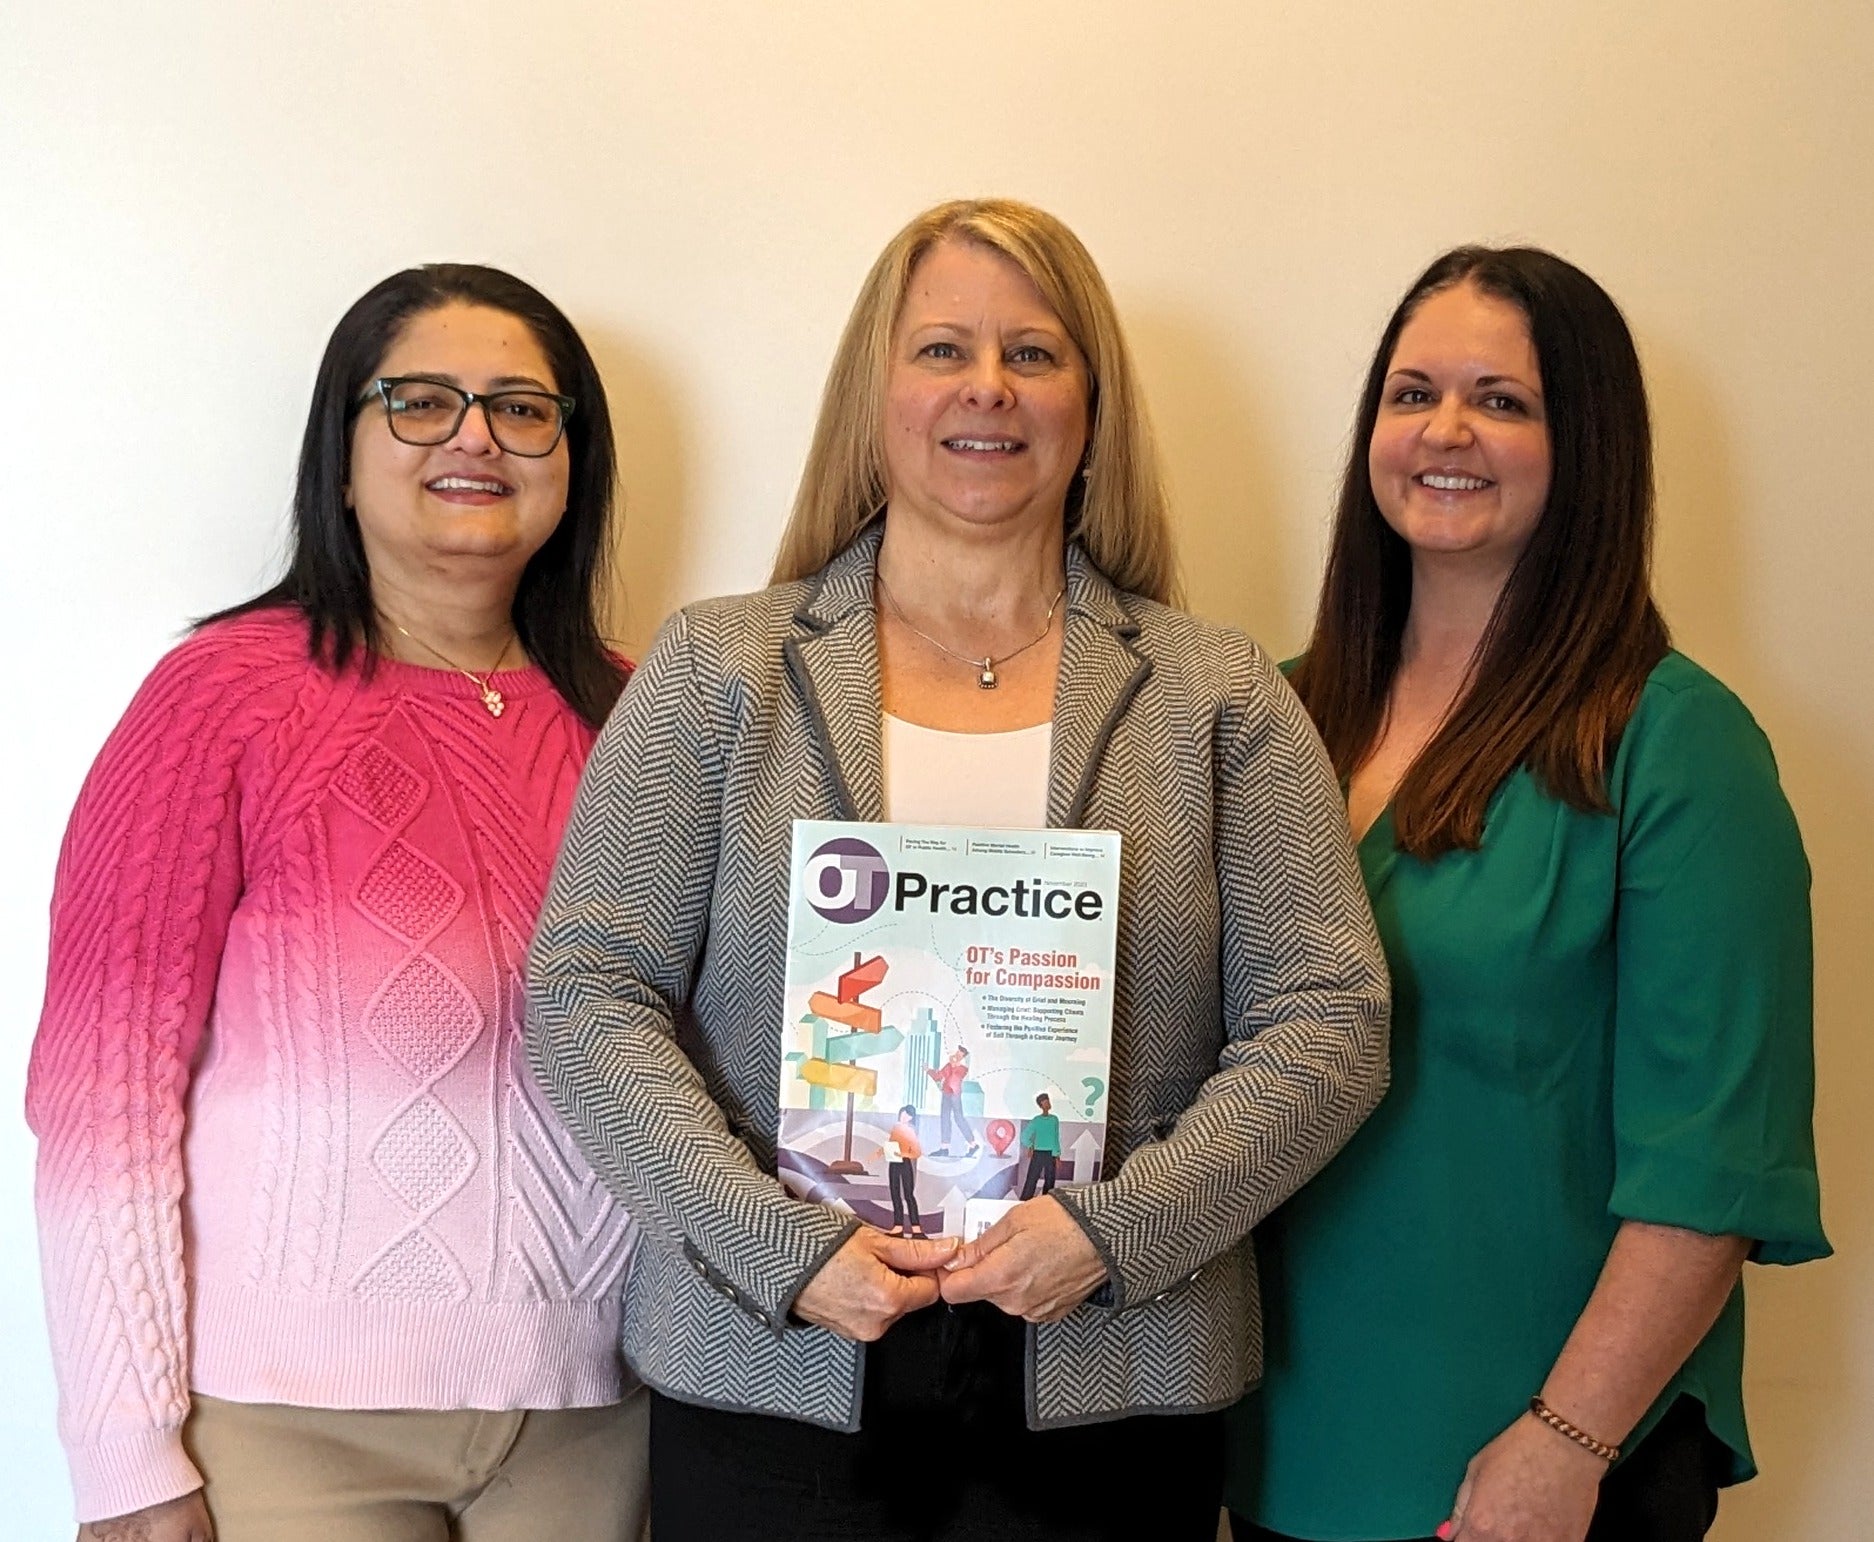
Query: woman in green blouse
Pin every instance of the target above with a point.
(1595, 904)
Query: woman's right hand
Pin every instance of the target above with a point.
(870, 1282)
(175, 1520)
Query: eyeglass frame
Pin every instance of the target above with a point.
(384, 384)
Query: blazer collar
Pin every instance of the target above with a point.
(1101, 671)
(833, 656)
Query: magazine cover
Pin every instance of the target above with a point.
(948, 1027)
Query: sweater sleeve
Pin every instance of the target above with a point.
(147, 879)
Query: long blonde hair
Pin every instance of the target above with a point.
(1118, 510)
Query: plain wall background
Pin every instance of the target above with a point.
(190, 195)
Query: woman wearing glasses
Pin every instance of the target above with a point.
(319, 1265)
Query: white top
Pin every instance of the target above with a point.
(998, 780)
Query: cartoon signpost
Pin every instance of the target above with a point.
(866, 1039)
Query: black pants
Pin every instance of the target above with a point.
(1040, 1165)
(944, 1455)
(903, 1179)
(1666, 1491)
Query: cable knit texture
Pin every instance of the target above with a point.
(290, 1150)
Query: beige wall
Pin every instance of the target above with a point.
(190, 194)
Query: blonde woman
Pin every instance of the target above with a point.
(971, 622)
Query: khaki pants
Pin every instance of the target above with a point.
(283, 1474)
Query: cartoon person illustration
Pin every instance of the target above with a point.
(950, 1077)
(901, 1150)
(1042, 1141)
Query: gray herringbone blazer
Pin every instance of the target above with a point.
(1249, 1033)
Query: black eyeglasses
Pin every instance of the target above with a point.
(423, 412)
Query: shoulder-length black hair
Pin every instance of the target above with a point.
(1575, 631)
(556, 606)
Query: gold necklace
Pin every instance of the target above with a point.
(491, 698)
(986, 678)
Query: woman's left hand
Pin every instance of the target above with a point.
(1035, 1263)
(1528, 1485)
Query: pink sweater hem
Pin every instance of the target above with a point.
(254, 1348)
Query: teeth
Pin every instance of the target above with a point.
(466, 485)
(1447, 484)
(980, 444)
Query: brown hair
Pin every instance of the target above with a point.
(1575, 631)
(1117, 510)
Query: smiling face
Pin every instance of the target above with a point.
(986, 396)
(1459, 457)
(425, 510)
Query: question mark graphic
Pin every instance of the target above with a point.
(1094, 1088)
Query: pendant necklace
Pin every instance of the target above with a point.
(985, 667)
(491, 698)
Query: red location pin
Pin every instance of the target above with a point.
(1000, 1132)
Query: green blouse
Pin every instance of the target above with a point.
(1595, 1018)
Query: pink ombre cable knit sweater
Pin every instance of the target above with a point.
(290, 1151)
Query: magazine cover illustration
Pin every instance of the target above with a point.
(948, 1025)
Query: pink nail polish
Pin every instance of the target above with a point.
(1445, 1532)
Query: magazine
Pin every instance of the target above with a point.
(947, 1036)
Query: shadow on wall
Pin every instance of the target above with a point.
(1225, 496)
(656, 525)
(1803, 1321)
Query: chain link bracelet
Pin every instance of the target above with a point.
(1607, 1453)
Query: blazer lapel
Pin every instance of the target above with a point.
(1100, 673)
(833, 657)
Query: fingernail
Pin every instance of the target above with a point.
(1445, 1532)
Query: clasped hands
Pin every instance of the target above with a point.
(1035, 1263)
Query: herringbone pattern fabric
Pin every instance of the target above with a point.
(1249, 1034)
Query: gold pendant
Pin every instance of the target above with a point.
(987, 679)
(492, 700)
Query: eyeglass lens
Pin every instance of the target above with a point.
(522, 422)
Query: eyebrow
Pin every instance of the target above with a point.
(499, 383)
(1482, 380)
(964, 327)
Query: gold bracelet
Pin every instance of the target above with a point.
(1607, 1453)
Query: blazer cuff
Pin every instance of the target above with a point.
(770, 1303)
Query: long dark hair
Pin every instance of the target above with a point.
(1575, 631)
(556, 605)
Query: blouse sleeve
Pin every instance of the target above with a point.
(147, 880)
(1714, 1076)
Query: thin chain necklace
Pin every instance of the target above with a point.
(491, 698)
(985, 666)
